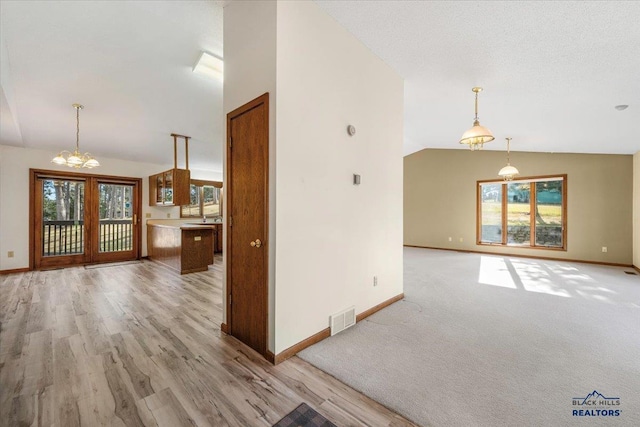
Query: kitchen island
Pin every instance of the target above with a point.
(186, 248)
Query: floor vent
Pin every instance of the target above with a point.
(342, 320)
(633, 273)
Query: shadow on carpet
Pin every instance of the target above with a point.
(304, 416)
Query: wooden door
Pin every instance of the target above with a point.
(247, 222)
(116, 230)
(59, 226)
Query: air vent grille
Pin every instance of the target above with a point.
(342, 320)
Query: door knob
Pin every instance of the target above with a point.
(256, 243)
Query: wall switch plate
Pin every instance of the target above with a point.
(375, 280)
(10, 254)
(604, 249)
(356, 179)
(450, 239)
(197, 238)
(461, 239)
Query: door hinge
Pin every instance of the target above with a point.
(230, 142)
(229, 299)
(230, 221)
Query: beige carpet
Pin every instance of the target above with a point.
(484, 340)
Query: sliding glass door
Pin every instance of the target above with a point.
(80, 219)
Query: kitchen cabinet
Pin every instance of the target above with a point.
(170, 188)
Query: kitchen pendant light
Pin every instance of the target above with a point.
(477, 135)
(76, 159)
(508, 172)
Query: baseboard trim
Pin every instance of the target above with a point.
(296, 348)
(15, 270)
(611, 264)
(326, 333)
(270, 357)
(224, 328)
(360, 317)
(636, 268)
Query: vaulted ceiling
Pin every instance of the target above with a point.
(552, 73)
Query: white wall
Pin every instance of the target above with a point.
(250, 71)
(333, 237)
(636, 209)
(15, 163)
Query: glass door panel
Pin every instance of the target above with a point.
(116, 217)
(63, 227)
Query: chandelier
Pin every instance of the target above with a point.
(76, 159)
(477, 135)
(508, 172)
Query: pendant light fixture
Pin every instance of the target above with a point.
(76, 159)
(508, 172)
(477, 135)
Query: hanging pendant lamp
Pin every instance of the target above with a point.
(508, 172)
(76, 159)
(477, 135)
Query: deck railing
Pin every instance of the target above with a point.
(68, 237)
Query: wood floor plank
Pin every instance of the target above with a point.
(168, 411)
(138, 344)
(126, 408)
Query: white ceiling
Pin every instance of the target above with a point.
(128, 62)
(552, 73)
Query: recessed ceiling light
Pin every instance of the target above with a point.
(621, 107)
(209, 65)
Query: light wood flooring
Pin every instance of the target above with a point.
(138, 345)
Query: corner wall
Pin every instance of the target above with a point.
(333, 237)
(250, 71)
(636, 210)
(15, 163)
(440, 200)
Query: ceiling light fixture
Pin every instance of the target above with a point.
(477, 135)
(209, 65)
(621, 107)
(76, 159)
(508, 172)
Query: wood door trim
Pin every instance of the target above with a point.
(261, 100)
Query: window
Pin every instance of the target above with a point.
(205, 200)
(528, 212)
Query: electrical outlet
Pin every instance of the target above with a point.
(604, 249)
(461, 239)
(375, 280)
(168, 215)
(450, 239)
(148, 215)
(10, 254)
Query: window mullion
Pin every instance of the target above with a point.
(504, 214)
(201, 199)
(532, 213)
